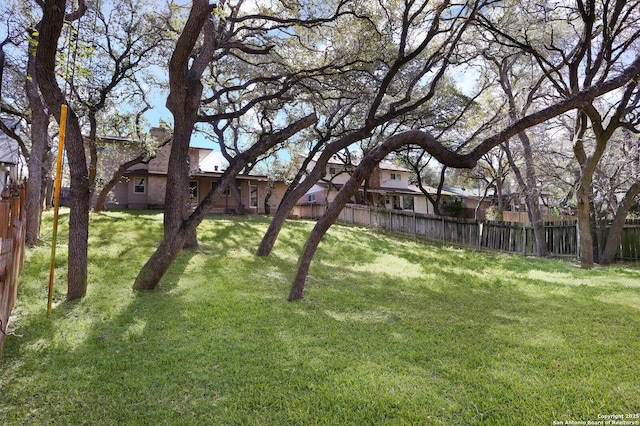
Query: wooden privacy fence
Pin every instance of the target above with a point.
(12, 237)
(561, 236)
(629, 248)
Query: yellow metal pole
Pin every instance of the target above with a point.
(56, 204)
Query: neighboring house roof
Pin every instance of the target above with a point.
(432, 190)
(467, 192)
(9, 149)
(387, 190)
(378, 190)
(387, 165)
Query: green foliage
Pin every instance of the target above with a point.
(452, 207)
(401, 333)
(494, 213)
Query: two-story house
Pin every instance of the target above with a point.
(143, 185)
(388, 187)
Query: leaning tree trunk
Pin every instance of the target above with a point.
(52, 21)
(615, 232)
(362, 172)
(290, 199)
(177, 190)
(533, 197)
(158, 264)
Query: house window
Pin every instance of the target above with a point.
(395, 176)
(139, 185)
(253, 196)
(311, 198)
(333, 171)
(193, 191)
(407, 202)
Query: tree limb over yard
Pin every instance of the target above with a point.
(447, 157)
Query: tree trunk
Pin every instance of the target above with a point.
(185, 71)
(585, 236)
(593, 225)
(532, 197)
(237, 197)
(93, 152)
(287, 203)
(291, 198)
(158, 264)
(52, 20)
(528, 186)
(37, 163)
(615, 232)
(362, 172)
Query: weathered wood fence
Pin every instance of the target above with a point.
(561, 236)
(12, 237)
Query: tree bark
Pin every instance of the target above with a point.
(37, 163)
(237, 197)
(185, 71)
(93, 151)
(52, 21)
(615, 232)
(583, 215)
(532, 197)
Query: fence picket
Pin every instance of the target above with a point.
(516, 237)
(12, 238)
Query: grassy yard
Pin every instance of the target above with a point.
(391, 332)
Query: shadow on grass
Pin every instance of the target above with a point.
(390, 332)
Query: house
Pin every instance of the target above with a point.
(9, 156)
(471, 200)
(143, 185)
(388, 187)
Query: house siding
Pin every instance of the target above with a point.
(156, 189)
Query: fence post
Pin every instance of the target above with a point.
(524, 238)
(577, 241)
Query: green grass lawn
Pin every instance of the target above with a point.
(391, 332)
